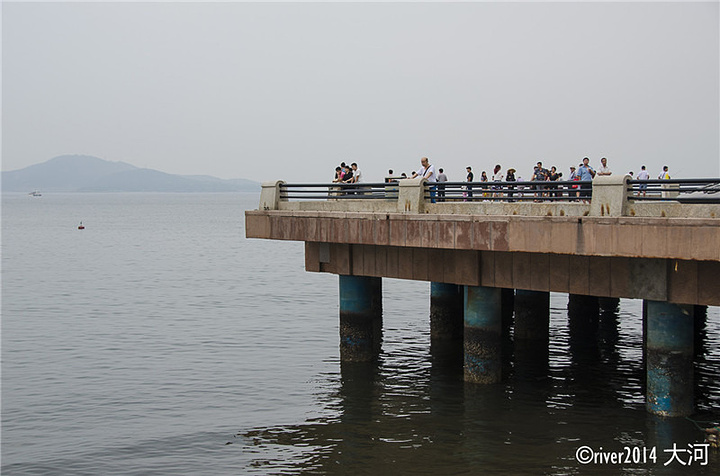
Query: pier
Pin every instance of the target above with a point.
(498, 253)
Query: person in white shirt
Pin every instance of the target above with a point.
(428, 173)
(604, 170)
(357, 175)
(497, 176)
(643, 175)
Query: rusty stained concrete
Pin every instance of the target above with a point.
(664, 259)
(632, 237)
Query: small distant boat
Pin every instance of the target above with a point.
(35, 193)
(81, 226)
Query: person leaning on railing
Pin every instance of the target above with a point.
(427, 172)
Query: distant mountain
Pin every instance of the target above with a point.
(84, 173)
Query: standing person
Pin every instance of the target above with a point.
(554, 176)
(643, 175)
(357, 175)
(335, 191)
(441, 178)
(665, 175)
(428, 173)
(540, 174)
(497, 177)
(604, 169)
(470, 178)
(484, 178)
(574, 177)
(348, 178)
(586, 173)
(348, 175)
(510, 177)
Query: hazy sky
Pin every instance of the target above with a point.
(270, 91)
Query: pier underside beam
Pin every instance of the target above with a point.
(669, 359)
(360, 318)
(482, 334)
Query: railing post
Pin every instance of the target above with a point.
(270, 195)
(609, 196)
(411, 197)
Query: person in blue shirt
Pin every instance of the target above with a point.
(586, 173)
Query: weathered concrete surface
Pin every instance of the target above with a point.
(674, 238)
(605, 249)
(657, 279)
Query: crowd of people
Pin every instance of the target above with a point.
(583, 173)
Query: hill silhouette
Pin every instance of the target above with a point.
(84, 173)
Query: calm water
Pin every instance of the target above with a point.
(160, 341)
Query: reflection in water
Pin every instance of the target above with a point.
(411, 413)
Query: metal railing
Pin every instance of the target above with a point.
(339, 191)
(676, 190)
(566, 191)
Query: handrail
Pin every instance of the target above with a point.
(566, 190)
(697, 190)
(339, 191)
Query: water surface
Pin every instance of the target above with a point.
(160, 341)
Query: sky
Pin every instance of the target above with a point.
(268, 91)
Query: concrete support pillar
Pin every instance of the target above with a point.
(446, 311)
(482, 334)
(360, 318)
(583, 323)
(507, 303)
(532, 333)
(584, 306)
(507, 298)
(609, 304)
(700, 329)
(669, 359)
(532, 315)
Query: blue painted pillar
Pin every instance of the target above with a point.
(360, 318)
(446, 311)
(669, 359)
(482, 334)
